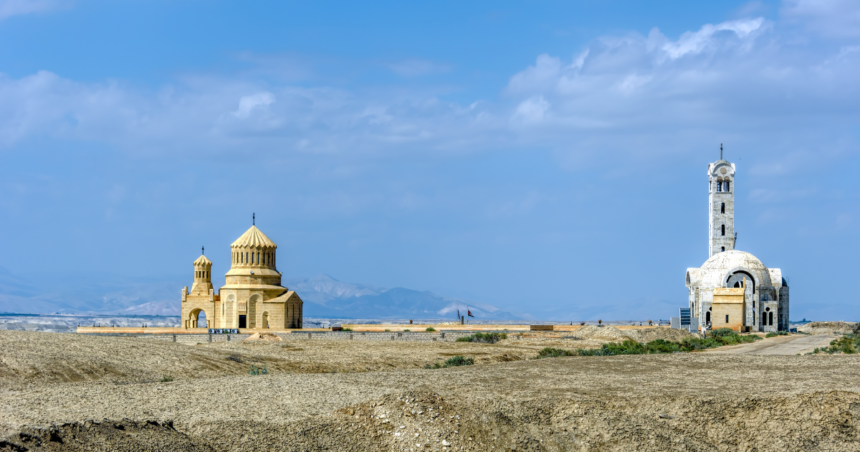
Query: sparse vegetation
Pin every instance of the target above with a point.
(346, 329)
(550, 352)
(387, 331)
(235, 358)
(847, 344)
(484, 338)
(631, 347)
(777, 333)
(406, 330)
(452, 362)
(430, 329)
(166, 379)
(257, 371)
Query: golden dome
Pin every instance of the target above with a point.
(253, 238)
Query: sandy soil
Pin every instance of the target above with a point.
(693, 401)
(828, 328)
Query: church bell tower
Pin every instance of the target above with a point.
(721, 202)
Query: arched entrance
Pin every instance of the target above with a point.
(736, 279)
(197, 319)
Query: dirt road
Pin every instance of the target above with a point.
(780, 345)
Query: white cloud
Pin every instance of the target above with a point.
(832, 18)
(697, 42)
(248, 103)
(739, 82)
(532, 110)
(9, 8)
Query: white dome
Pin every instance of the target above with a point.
(716, 269)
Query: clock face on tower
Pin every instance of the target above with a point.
(722, 171)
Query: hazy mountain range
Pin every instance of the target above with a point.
(324, 297)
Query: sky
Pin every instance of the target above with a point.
(544, 157)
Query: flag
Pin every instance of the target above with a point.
(470, 313)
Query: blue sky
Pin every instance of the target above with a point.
(543, 157)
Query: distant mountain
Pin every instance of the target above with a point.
(324, 296)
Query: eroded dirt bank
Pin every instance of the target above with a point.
(428, 421)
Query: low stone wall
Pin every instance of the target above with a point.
(318, 336)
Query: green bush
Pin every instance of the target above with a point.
(452, 362)
(777, 333)
(406, 330)
(720, 332)
(257, 371)
(166, 379)
(484, 338)
(550, 352)
(847, 344)
(662, 346)
(346, 329)
(630, 347)
(430, 329)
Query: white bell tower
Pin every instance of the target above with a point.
(721, 203)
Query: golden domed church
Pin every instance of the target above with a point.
(253, 297)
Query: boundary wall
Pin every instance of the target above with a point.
(303, 336)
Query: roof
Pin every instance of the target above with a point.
(285, 297)
(253, 238)
(716, 269)
(202, 260)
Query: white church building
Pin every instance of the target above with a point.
(764, 305)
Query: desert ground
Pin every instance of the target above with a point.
(69, 392)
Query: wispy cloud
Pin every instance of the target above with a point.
(668, 97)
(831, 18)
(9, 8)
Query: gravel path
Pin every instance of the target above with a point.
(780, 345)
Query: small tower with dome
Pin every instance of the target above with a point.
(761, 292)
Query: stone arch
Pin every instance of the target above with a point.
(265, 320)
(194, 319)
(737, 274)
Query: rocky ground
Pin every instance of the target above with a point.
(62, 392)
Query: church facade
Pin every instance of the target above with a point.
(252, 297)
(733, 288)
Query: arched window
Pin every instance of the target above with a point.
(723, 230)
(723, 208)
(719, 185)
(246, 256)
(727, 186)
(770, 318)
(722, 248)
